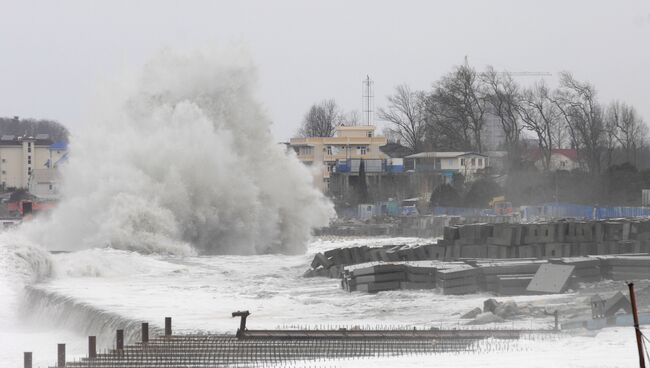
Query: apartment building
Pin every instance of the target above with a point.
(343, 151)
(21, 155)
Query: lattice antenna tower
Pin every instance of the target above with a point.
(368, 100)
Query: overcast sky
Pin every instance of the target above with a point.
(53, 54)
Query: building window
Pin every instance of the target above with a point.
(562, 163)
(480, 162)
(3, 160)
(50, 186)
(369, 134)
(362, 150)
(3, 172)
(462, 162)
(29, 160)
(472, 161)
(329, 150)
(29, 171)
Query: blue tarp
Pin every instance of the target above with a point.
(582, 211)
(459, 211)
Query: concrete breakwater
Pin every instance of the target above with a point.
(425, 226)
(501, 258)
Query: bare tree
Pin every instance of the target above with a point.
(540, 115)
(350, 118)
(624, 125)
(503, 95)
(321, 119)
(457, 106)
(405, 114)
(584, 118)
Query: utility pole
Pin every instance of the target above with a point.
(367, 100)
(639, 342)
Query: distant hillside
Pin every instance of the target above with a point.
(31, 127)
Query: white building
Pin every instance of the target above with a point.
(449, 163)
(561, 159)
(44, 183)
(20, 156)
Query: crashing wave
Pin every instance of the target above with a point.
(184, 162)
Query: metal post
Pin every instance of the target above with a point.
(557, 325)
(145, 332)
(60, 355)
(120, 340)
(27, 359)
(92, 347)
(168, 326)
(639, 342)
(242, 322)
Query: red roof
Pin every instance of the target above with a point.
(570, 153)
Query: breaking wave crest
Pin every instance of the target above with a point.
(47, 308)
(21, 263)
(182, 161)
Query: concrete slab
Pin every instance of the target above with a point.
(469, 289)
(384, 268)
(551, 279)
(381, 277)
(410, 285)
(417, 277)
(378, 286)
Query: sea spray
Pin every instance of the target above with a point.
(21, 263)
(182, 161)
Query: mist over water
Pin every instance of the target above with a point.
(180, 160)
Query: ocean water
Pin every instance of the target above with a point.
(94, 292)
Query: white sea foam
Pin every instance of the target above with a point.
(182, 161)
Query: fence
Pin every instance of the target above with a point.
(459, 211)
(560, 210)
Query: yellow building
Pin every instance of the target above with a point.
(20, 156)
(341, 152)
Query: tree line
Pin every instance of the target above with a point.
(452, 116)
(31, 127)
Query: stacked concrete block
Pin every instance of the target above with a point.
(513, 284)
(490, 273)
(457, 280)
(587, 269)
(497, 251)
(625, 268)
(613, 231)
(419, 278)
(374, 278)
(474, 234)
(539, 233)
(505, 235)
(435, 251)
(474, 251)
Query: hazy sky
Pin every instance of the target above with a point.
(53, 54)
